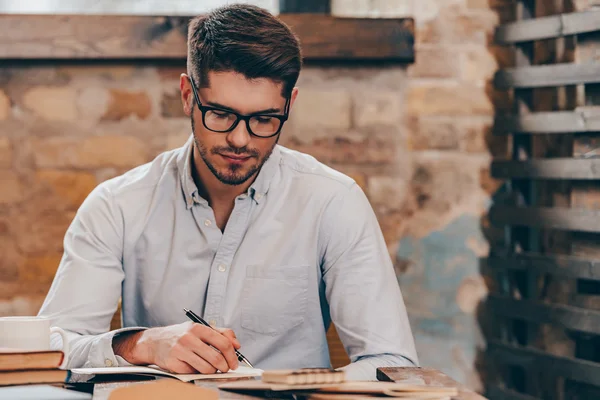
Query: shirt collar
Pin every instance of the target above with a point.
(257, 190)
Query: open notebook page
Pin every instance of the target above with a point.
(241, 371)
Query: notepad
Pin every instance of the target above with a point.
(240, 372)
(305, 376)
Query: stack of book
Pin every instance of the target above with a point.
(28, 367)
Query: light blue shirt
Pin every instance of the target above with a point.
(301, 248)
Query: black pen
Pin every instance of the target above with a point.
(196, 318)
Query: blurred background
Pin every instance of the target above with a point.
(405, 97)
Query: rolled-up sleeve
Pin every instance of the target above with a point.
(362, 290)
(86, 289)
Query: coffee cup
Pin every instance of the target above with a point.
(30, 334)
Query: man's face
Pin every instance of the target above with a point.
(236, 156)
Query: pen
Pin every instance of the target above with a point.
(196, 318)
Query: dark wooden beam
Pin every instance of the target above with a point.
(564, 316)
(570, 219)
(106, 37)
(564, 266)
(568, 367)
(553, 168)
(584, 120)
(547, 76)
(548, 27)
(304, 6)
(499, 393)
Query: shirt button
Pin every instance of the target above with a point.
(257, 196)
(212, 323)
(222, 267)
(108, 362)
(207, 222)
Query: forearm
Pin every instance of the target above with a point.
(366, 367)
(91, 350)
(129, 346)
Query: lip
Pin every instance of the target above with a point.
(235, 158)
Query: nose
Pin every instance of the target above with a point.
(239, 137)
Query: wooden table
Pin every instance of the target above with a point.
(425, 376)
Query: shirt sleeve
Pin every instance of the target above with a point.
(362, 290)
(87, 286)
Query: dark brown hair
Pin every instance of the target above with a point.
(245, 39)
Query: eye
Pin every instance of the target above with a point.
(221, 114)
(263, 119)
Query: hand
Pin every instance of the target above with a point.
(183, 349)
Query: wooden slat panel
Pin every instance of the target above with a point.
(498, 393)
(547, 75)
(572, 368)
(551, 218)
(131, 37)
(549, 122)
(548, 27)
(567, 317)
(555, 168)
(566, 266)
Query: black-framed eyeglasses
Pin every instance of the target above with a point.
(219, 120)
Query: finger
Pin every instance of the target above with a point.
(220, 342)
(179, 367)
(205, 352)
(198, 362)
(183, 360)
(231, 336)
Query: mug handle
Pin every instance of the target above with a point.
(65, 341)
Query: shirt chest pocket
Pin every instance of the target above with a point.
(274, 299)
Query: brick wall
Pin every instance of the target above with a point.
(443, 231)
(415, 138)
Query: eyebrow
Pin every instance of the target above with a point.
(266, 111)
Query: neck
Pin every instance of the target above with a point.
(211, 188)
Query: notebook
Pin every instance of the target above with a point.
(306, 376)
(88, 373)
(32, 376)
(345, 390)
(41, 392)
(12, 360)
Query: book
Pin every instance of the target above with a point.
(11, 360)
(260, 386)
(83, 374)
(305, 376)
(8, 378)
(41, 392)
(347, 390)
(392, 389)
(345, 396)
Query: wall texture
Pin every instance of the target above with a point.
(415, 138)
(442, 230)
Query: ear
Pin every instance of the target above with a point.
(187, 97)
(293, 97)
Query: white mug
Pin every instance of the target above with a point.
(30, 333)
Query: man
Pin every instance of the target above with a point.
(259, 239)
